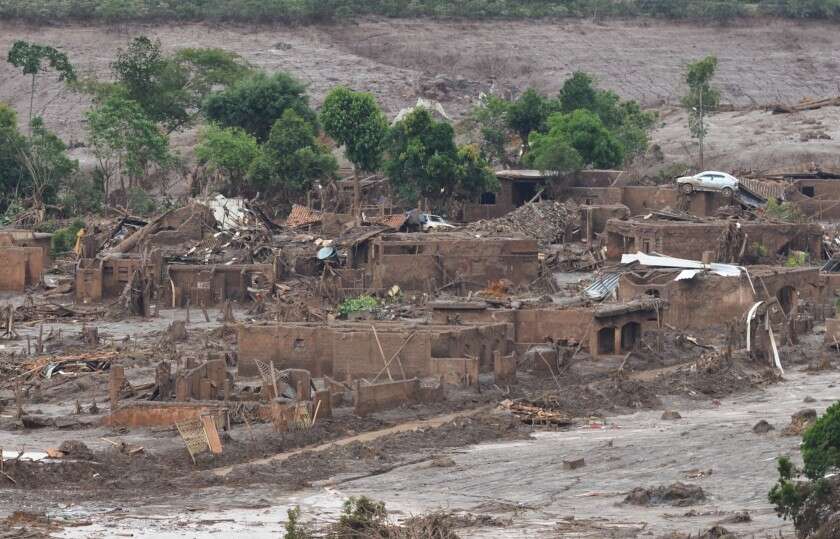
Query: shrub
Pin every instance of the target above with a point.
(356, 305)
(64, 239)
(294, 529)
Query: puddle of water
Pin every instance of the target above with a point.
(33, 456)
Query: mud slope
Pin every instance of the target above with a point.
(759, 63)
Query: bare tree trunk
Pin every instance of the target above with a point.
(357, 195)
(31, 103)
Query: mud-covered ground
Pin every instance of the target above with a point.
(466, 455)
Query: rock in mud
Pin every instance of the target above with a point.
(670, 415)
(717, 532)
(800, 421)
(76, 450)
(442, 462)
(677, 495)
(762, 427)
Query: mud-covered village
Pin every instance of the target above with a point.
(299, 269)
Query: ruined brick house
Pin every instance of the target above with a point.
(709, 300)
(517, 187)
(354, 350)
(765, 241)
(161, 244)
(606, 329)
(25, 255)
(430, 261)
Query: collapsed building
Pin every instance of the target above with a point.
(754, 241)
(26, 255)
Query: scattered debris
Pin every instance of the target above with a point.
(677, 494)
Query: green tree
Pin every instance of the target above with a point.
(702, 97)
(578, 92)
(170, 89)
(491, 116)
(625, 119)
(528, 113)
(45, 158)
(228, 152)
(292, 159)
(14, 177)
(423, 161)
(581, 131)
(256, 102)
(126, 141)
(354, 120)
(33, 59)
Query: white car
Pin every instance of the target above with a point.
(710, 180)
(429, 222)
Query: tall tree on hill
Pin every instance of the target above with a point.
(256, 102)
(171, 88)
(33, 59)
(702, 97)
(354, 120)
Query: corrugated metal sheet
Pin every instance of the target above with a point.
(604, 286)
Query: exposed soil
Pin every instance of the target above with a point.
(401, 60)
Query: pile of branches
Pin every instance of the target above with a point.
(548, 222)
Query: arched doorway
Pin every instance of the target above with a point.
(606, 341)
(631, 334)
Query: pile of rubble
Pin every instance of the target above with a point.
(548, 222)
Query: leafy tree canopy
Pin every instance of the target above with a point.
(423, 161)
(170, 89)
(528, 113)
(31, 58)
(575, 139)
(354, 120)
(256, 102)
(229, 151)
(121, 134)
(292, 159)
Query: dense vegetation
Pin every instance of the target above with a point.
(583, 126)
(335, 10)
(811, 494)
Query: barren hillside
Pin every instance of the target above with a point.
(398, 61)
